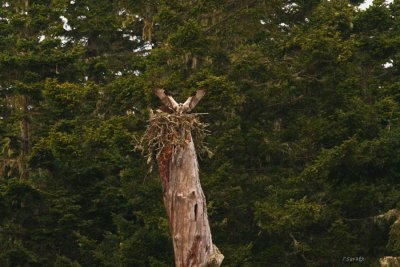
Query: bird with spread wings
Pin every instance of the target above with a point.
(172, 106)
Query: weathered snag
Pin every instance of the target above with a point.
(169, 136)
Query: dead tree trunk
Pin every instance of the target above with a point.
(186, 208)
(169, 133)
(389, 261)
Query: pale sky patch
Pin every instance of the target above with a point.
(367, 3)
(388, 64)
(66, 26)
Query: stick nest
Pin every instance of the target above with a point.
(166, 129)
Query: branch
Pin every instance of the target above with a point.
(229, 16)
(387, 216)
(165, 130)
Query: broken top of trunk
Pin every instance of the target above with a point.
(165, 130)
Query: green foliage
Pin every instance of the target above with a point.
(302, 102)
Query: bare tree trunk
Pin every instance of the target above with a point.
(186, 208)
(17, 165)
(23, 172)
(389, 261)
(24, 126)
(148, 24)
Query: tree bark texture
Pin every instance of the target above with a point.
(25, 139)
(389, 261)
(185, 204)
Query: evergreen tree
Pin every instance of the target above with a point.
(302, 102)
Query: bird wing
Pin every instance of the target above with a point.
(168, 100)
(166, 109)
(192, 101)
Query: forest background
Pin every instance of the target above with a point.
(302, 102)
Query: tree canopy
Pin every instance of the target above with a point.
(303, 109)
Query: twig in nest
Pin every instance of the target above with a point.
(166, 129)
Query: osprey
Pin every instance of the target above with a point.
(172, 106)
